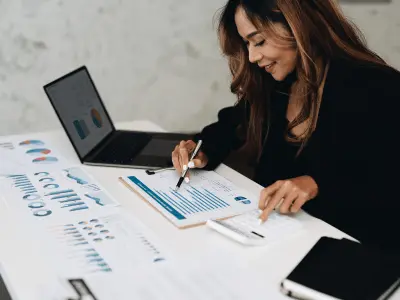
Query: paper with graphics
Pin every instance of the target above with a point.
(100, 242)
(29, 155)
(45, 195)
(207, 196)
(172, 280)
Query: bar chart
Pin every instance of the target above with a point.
(48, 195)
(208, 196)
(102, 243)
(200, 201)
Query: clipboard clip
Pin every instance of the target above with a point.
(154, 171)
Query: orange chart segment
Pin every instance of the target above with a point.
(96, 118)
(38, 151)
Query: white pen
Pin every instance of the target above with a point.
(196, 150)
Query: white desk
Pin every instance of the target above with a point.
(274, 262)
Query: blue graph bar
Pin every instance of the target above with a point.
(215, 197)
(23, 184)
(22, 181)
(211, 201)
(83, 243)
(212, 196)
(203, 196)
(69, 229)
(207, 198)
(29, 190)
(72, 204)
(202, 200)
(159, 200)
(186, 205)
(172, 202)
(69, 200)
(64, 196)
(182, 198)
(79, 208)
(59, 192)
(92, 255)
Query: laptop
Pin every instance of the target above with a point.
(91, 131)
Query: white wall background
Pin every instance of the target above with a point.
(155, 59)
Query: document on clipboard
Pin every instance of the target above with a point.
(207, 196)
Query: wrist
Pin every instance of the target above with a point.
(313, 186)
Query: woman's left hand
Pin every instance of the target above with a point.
(293, 193)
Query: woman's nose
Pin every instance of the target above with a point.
(254, 56)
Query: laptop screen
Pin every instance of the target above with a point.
(80, 110)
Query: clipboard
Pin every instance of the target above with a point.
(122, 180)
(208, 196)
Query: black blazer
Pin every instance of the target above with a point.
(352, 155)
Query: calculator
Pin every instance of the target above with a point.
(245, 228)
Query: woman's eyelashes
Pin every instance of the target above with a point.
(256, 44)
(260, 43)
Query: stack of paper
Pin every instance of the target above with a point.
(171, 280)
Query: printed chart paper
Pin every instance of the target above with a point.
(49, 195)
(207, 196)
(176, 281)
(29, 155)
(100, 242)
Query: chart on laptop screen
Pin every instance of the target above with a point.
(207, 196)
(80, 110)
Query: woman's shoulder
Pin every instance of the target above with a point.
(355, 84)
(362, 73)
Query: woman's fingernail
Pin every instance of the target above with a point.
(187, 179)
(184, 167)
(259, 221)
(191, 164)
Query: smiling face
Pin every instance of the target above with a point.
(275, 58)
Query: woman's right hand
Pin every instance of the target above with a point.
(181, 155)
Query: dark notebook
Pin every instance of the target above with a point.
(345, 269)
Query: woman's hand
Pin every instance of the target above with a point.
(290, 195)
(181, 155)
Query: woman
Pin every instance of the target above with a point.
(318, 109)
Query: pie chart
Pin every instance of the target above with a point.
(38, 151)
(31, 142)
(45, 160)
(96, 118)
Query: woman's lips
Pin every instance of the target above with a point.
(269, 67)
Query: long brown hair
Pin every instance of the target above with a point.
(319, 31)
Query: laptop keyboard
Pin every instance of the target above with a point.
(123, 148)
